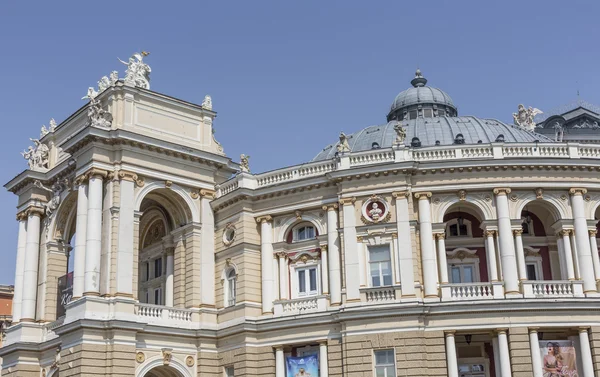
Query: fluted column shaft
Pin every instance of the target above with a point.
(31, 263)
(20, 268)
(93, 235)
(506, 243)
(333, 253)
(582, 241)
(427, 247)
(80, 239)
(491, 255)
(266, 259)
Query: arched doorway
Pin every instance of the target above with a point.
(163, 371)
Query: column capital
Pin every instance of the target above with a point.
(96, 173)
(583, 329)
(401, 194)
(449, 332)
(533, 329)
(209, 194)
(124, 175)
(323, 247)
(359, 239)
(80, 180)
(490, 233)
(36, 211)
(517, 232)
(281, 255)
(264, 219)
(330, 207)
(502, 191)
(564, 232)
(577, 191)
(593, 232)
(423, 195)
(347, 201)
(22, 215)
(440, 236)
(502, 331)
(278, 347)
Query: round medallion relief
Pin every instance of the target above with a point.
(229, 234)
(189, 361)
(375, 210)
(140, 357)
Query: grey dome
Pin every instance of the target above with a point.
(430, 130)
(420, 95)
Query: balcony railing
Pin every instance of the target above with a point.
(380, 295)
(300, 305)
(471, 291)
(163, 314)
(552, 288)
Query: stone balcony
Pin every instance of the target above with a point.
(552, 288)
(472, 291)
(301, 305)
(380, 295)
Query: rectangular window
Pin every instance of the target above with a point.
(441, 113)
(229, 371)
(532, 271)
(146, 297)
(380, 265)
(412, 114)
(307, 281)
(158, 296)
(462, 273)
(385, 365)
(158, 267)
(428, 113)
(147, 271)
(456, 230)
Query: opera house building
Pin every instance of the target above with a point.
(434, 244)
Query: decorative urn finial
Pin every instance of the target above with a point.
(419, 80)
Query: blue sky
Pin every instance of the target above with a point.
(287, 76)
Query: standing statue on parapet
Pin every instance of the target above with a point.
(343, 146)
(400, 133)
(524, 117)
(207, 103)
(245, 163)
(138, 72)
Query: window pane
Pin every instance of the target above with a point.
(455, 275)
(380, 372)
(375, 278)
(468, 274)
(463, 230)
(453, 230)
(301, 234)
(391, 371)
(310, 232)
(531, 275)
(302, 281)
(313, 279)
(386, 271)
(379, 253)
(387, 280)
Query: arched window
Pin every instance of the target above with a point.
(458, 227)
(304, 232)
(230, 288)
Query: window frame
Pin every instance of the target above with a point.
(385, 366)
(454, 221)
(226, 368)
(158, 271)
(461, 265)
(160, 298)
(304, 225)
(306, 270)
(381, 276)
(535, 260)
(230, 283)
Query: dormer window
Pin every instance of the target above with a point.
(304, 232)
(458, 227)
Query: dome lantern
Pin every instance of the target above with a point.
(419, 80)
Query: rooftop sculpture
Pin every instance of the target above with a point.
(37, 156)
(524, 117)
(138, 72)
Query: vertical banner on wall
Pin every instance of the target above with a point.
(305, 366)
(558, 358)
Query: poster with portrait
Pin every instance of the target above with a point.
(304, 366)
(558, 358)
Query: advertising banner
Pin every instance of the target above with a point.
(305, 366)
(558, 358)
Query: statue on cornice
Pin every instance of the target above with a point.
(113, 77)
(52, 125)
(55, 191)
(245, 163)
(524, 117)
(45, 131)
(138, 72)
(103, 84)
(343, 146)
(98, 116)
(207, 103)
(91, 94)
(400, 133)
(37, 157)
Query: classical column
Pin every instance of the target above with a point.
(427, 247)
(568, 255)
(169, 280)
(404, 244)
(323, 362)
(506, 243)
(91, 285)
(279, 362)
(283, 275)
(126, 234)
(582, 240)
(20, 267)
(351, 257)
(276, 281)
(536, 358)
(266, 262)
(31, 263)
(521, 267)
(586, 353)
(333, 252)
(491, 255)
(207, 249)
(362, 264)
(595, 257)
(442, 262)
(451, 360)
(505, 369)
(324, 270)
(497, 366)
(80, 238)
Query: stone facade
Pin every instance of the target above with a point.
(420, 258)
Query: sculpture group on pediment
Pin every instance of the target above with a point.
(37, 156)
(45, 131)
(138, 72)
(98, 117)
(524, 117)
